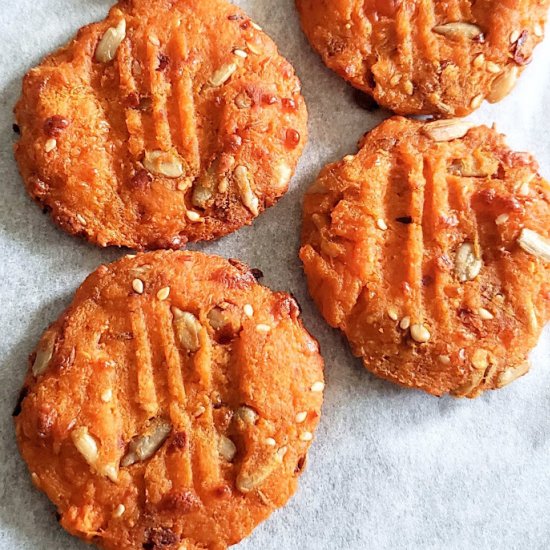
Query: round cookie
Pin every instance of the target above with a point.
(172, 405)
(430, 250)
(416, 57)
(169, 121)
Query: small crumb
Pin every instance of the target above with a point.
(119, 511)
(318, 387)
(163, 293)
(50, 145)
(306, 436)
(263, 328)
(138, 286)
(381, 224)
(248, 310)
(301, 417)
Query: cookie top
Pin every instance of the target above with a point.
(414, 57)
(170, 121)
(172, 405)
(429, 249)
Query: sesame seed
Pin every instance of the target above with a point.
(348, 26)
(130, 256)
(503, 218)
(256, 26)
(50, 145)
(154, 40)
(119, 511)
(240, 53)
(394, 81)
(420, 333)
(405, 323)
(514, 36)
(392, 314)
(248, 310)
(263, 328)
(485, 314)
(479, 60)
(348, 158)
(301, 417)
(81, 219)
(382, 224)
(408, 87)
(107, 395)
(193, 216)
(318, 387)
(200, 411)
(306, 436)
(538, 30)
(137, 285)
(163, 293)
(445, 359)
(477, 101)
(524, 188)
(493, 67)
(182, 185)
(271, 442)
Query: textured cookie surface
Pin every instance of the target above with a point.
(426, 57)
(170, 121)
(172, 405)
(429, 249)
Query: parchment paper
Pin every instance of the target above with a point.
(390, 468)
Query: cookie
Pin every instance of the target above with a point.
(172, 405)
(169, 121)
(439, 58)
(430, 250)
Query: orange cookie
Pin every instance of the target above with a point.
(429, 249)
(416, 57)
(170, 121)
(172, 405)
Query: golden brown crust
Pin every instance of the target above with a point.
(429, 253)
(424, 57)
(170, 121)
(172, 405)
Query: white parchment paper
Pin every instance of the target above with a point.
(390, 468)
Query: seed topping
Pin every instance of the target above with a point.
(301, 417)
(243, 180)
(318, 387)
(467, 264)
(163, 293)
(110, 41)
(163, 163)
(457, 30)
(535, 244)
(447, 130)
(420, 333)
(223, 74)
(138, 286)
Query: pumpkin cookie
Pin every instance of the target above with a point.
(429, 249)
(413, 57)
(165, 123)
(172, 405)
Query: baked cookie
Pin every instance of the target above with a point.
(418, 57)
(170, 121)
(172, 405)
(429, 249)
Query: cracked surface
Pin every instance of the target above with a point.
(425, 57)
(169, 417)
(411, 248)
(133, 132)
